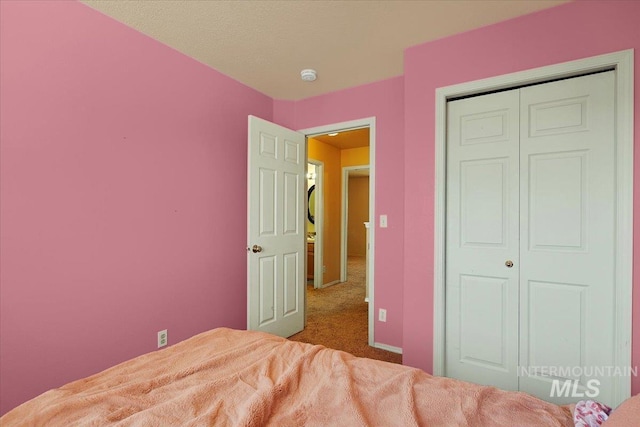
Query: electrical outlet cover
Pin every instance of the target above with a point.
(162, 338)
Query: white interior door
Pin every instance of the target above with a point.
(567, 234)
(276, 246)
(531, 180)
(482, 235)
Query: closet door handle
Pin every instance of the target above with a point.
(509, 263)
(256, 248)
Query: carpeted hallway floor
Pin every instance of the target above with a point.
(337, 316)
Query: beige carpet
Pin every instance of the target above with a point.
(337, 316)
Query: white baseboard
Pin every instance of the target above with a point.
(387, 347)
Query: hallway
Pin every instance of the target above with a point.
(337, 316)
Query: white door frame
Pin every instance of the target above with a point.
(622, 62)
(369, 122)
(318, 245)
(345, 218)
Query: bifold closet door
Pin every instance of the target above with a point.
(530, 238)
(567, 232)
(482, 239)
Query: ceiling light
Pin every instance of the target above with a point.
(308, 75)
(333, 134)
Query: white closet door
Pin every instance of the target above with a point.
(567, 233)
(482, 235)
(531, 179)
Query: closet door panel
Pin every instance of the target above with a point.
(567, 231)
(482, 234)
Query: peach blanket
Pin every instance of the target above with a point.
(228, 377)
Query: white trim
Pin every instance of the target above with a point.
(339, 127)
(387, 347)
(369, 122)
(622, 62)
(345, 218)
(624, 220)
(318, 249)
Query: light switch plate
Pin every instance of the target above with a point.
(383, 221)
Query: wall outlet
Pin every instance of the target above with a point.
(162, 338)
(382, 315)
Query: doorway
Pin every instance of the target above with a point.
(355, 223)
(276, 224)
(331, 131)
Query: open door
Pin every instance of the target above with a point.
(276, 229)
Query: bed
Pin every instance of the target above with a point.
(241, 378)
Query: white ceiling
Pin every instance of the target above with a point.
(265, 44)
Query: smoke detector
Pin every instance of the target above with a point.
(308, 75)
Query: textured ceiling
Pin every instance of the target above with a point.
(265, 44)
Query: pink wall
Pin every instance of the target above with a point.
(384, 100)
(284, 113)
(116, 154)
(116, 151)
(571, 31)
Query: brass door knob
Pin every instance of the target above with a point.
(509, 263)
(256, 248)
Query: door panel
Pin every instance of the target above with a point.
(276, 213)
(567, 150)
(557, 201)
(292, 203)
(291, 288)
(482, 233)
(267, 289)
(483, 311)
(557, 117)
(267, 202)
(482, 202)
(567, 302)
